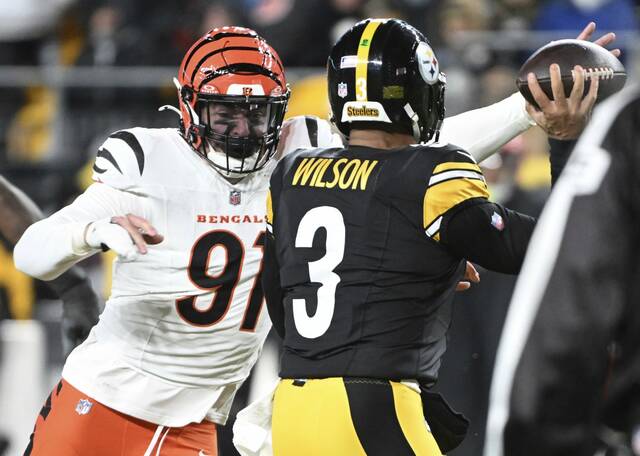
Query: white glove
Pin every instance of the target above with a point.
(102, 234)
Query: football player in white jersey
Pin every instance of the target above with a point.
(184, 209)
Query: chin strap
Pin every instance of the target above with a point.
(414, 121)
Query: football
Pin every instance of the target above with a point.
(596, 60)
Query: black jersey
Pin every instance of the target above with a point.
(367, 286)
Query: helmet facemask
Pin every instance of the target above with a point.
(428, 105)
(240, 133)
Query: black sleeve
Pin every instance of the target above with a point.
(271, 285)
(488, 234)
(559, 153)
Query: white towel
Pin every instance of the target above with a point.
(252, 429)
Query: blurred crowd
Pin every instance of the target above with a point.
(49, 129)
(480, 44)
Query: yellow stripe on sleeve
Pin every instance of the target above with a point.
(269, 209)
(362, 62)
(441, 197)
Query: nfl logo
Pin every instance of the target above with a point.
(83, 407)
(497, 222)
(234, 197)
(342, 89)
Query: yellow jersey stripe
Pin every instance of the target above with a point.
(362, 62)
(438, 199)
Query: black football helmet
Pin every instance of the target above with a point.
(383, 75)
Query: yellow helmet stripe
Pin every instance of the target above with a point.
(363, 58)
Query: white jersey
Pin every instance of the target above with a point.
(184, 323)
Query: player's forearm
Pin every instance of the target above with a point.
(47, 249)
(17, 211)
(482, 132)
(490, 235)
(51, 246)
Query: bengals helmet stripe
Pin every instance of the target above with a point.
(206, 40)
(228, 49)
(240, 68)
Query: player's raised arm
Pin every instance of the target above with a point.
(51, 246)
(482, 132)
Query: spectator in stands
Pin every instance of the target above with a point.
(514, 14)
(300, 30)
(563, 15)
(24, 25)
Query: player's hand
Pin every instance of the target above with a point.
(562, 118)
(603, 41)
(127, 235)
(470, 275)
(80, 310)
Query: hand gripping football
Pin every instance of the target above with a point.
(596, 61)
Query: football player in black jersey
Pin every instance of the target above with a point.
(365, 247)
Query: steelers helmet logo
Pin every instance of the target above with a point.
(427, 63)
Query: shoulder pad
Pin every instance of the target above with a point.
(446, 152)
(120, 160)
(456, 154)
(306, 132)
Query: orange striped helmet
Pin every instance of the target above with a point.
(233, 96)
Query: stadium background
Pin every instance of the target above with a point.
(72, 71)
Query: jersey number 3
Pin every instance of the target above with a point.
(320, 271)
(223, 284)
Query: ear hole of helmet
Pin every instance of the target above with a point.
(186, 93)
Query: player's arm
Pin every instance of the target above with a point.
(570, 302)
(79, 301)
(482, 132)
(109, 214)
(489, 234)
(458, 214)
(51, 246)
(494, 236)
